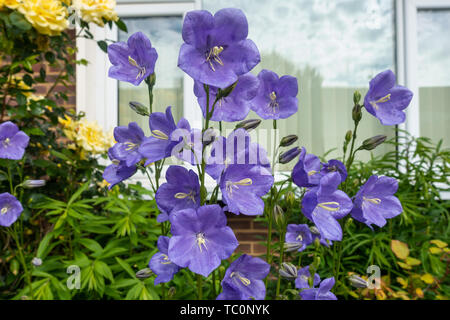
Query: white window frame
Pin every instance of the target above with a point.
(407, 58)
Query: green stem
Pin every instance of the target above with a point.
(22, 261)
(214, 283)
(199, 287)
(281, 262)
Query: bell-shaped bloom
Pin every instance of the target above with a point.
(334, 166)
(375, 201)
(303, 275)
(181, 191)
(300, 234)
(216, 50)
(325, 204)
(201, 238)
(243, 279)
(321, 293)
(306, 172)
(243, 186)
(233, 107)
(160, 144)
(276, 97)
(12, 141)
(10, 209)
(128, 140)
(236, 149)
(160, 263)
(385, 100)
(190, 145)
(132, 61)
(118, 171)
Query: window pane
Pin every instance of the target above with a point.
(165, 35)
(434, 74)
(333, 48)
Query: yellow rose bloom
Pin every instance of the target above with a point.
(12, 4)
(95, 10)
(48, 17)
(91, 137)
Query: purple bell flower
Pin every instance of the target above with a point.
(243, 186)
(276, 97)
(303, 275)
(160, 263)
(201, 238)
(12, 141)
(236, 149)
(118, 171)
(306, 172)
(235, 106)
(300, 234)
(181, 191)
(385, 100)
(321, 293)
(216, 49)
(334, 166)
(128, 141)
(375, 201)
(160, 144)
(190, 145)
(132, 61)
(10, 209)
(325, 204)
(243, 279)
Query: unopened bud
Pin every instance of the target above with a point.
(222, 93)
(356, 97)
(172, 291)
(348, 136)
(290, 198)
(373, 142)
(314, 230)
(209, 136)
(139, 108)
(36, 261)
(151, 80)
(29, 184)
(144, 273)
(278, 215)
(356, 113)
(249, 124)
(288, 140)
(292, 246)
(288, 271)
(357, 281)
(289, 155)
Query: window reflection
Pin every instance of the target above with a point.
(433, 74)
(165, 35)
(333, 48)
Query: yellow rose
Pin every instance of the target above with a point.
(91, 137)
(95, 10)
(47, 17)
(69, 127)
(12, 4)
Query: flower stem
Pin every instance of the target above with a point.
(22, 260)
(282, 235)
(199, 287)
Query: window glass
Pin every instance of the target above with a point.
(333, 47)
(165, 35)
(434, 74)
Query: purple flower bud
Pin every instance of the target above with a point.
(357, 281)
(289, 155)
(288, 140)
(36, 261)
(288, 271)
(139, 108)
(372, 143)
(249, 124)
(29, 184)
(144, 273)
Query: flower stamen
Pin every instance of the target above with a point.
(159, 135)
(273, 105)
(326, 206)
(245, 281)
(135, 64)
(182, 195)
(165, 259)
(4, 210)
(130, 145)
(372, 200)
(244, 182)
(213, 55)
(386, 98)
(201, 241)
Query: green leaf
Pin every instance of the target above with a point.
(19, 21)
(43, 245)
(34, 131)
(103, 45)
(91, 245)
(126, 267)
(121, 25)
